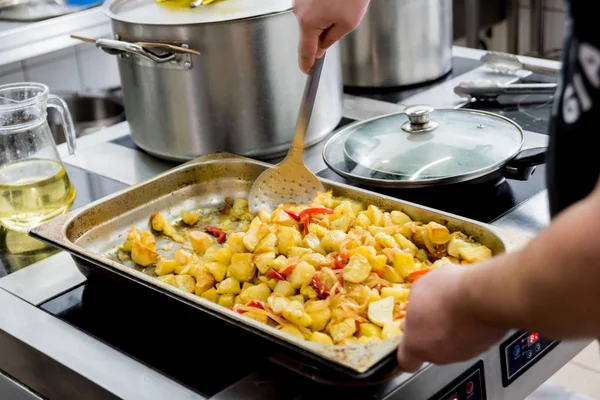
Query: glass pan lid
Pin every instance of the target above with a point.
(422, 146)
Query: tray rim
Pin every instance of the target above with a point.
(54, 233)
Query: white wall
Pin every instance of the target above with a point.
(83, 69)
(554, 18)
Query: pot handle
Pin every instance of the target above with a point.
(523, 165)
(116, 47)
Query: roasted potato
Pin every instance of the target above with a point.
(200, 241)
(160, 224)
(190, 217)
(342, 276)
(143, 255)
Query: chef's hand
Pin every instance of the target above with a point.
(438, 328)
(324, 22)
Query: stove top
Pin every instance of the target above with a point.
(531, 112)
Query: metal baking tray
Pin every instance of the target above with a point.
(90, 232)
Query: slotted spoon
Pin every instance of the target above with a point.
(290, 181)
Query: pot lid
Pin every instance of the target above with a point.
(422, 146)
(176, 12)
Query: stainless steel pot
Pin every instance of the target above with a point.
(399, 43)
(241, 94)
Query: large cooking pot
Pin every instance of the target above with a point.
(241, 94)
(399, 43)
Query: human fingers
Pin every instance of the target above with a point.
(332, 35)
(308, 46)
(406, 360)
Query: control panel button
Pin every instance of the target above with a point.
(470, 387)
(522, 351)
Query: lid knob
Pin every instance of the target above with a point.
(419, 119)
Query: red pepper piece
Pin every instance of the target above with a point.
(256, 304)
(357, 327)
(417, 274)
(341, 280)
(400, 315)
(315, 210)
(341, 260)
(320, 288)
(378, 287)
(306, 221)
(218, 233)
(286, 271)
(293, 215)
(379, 273)
(238, 308)
(271, 273)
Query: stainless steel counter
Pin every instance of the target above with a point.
(63, 362)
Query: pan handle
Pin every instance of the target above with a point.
(523, 165)
(116, 47)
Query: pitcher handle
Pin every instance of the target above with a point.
(67, 121)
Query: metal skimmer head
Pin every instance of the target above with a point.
(291, 181)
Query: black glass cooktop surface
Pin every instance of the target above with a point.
(531, 112)
(154, 329)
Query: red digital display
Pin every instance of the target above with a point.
(534, 337)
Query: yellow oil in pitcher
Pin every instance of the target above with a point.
(32, 192)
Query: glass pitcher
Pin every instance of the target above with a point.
(34, 185)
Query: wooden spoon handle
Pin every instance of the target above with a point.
(82, 38)
(168, 47)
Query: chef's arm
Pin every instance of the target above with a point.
(552, 286)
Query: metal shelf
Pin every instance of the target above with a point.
(20, 41)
